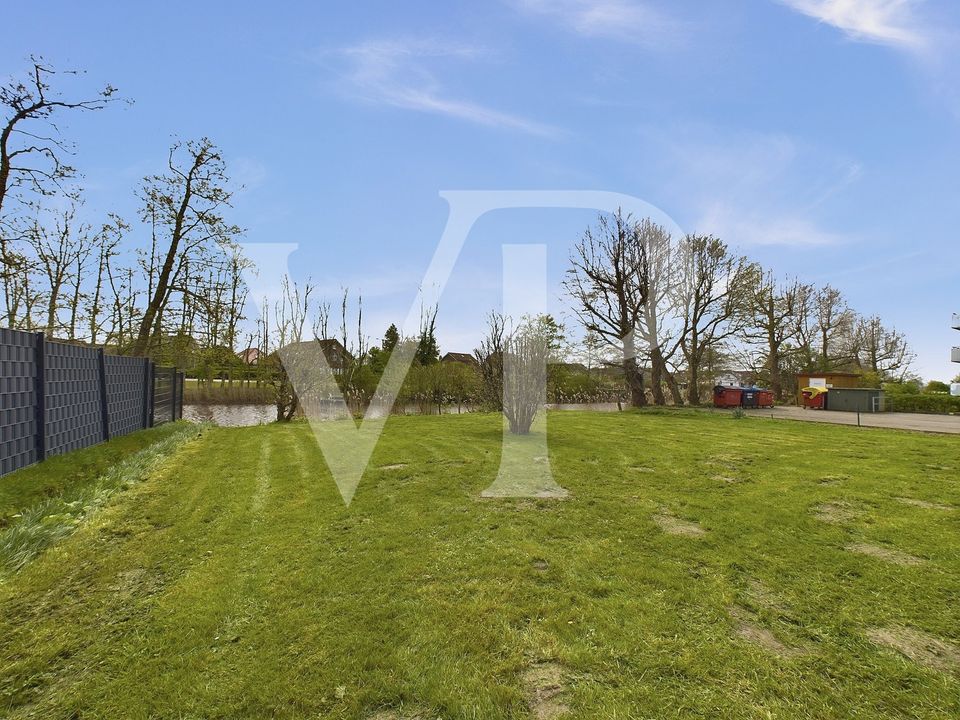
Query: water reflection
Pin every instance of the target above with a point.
(231, 415)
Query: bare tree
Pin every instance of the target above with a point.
(61, 250)
(490, 361)
(290, 315)
(774, 309)
(607, 282)
(186, 205)
(834, 321)
(882, 350)
(32, 153)
(109, 238)
(658, 324)
(709, 292)
(525, 352)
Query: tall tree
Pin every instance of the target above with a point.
(32, 154)
(607, 284)
(186, 205)
(61, 249)
(834, 321)
(882, 350)
(390, 338)
(658, 322)
(709, 293)
(774, 309)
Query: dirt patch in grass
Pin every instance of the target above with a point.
(137, 581)
(833, 479)
(922, 648)
(835, 513)
(394, 466)
(886, 554)
(922, 504)
(544, 687)
(540, 565)
(747, 627)
(726, 479)
(765, 597)
(675, 526)
(390, 714)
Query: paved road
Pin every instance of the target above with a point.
(899, 421)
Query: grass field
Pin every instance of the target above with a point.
(701, 566)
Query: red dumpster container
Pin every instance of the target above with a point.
(765, 398)
(727, 397)
(814, 398)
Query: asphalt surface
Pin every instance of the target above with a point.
(899, 421)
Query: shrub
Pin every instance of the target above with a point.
(904, 402)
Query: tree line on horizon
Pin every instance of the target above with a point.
(668, 313)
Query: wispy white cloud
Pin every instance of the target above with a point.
(400, 73)
(634, 21)
(754, 189)
(888, 22)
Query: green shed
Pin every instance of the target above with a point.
(865, 400)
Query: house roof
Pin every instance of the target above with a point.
(465, 358)
(336, 355)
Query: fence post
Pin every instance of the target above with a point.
(173, 393)
(39, 390)
(104, 410)
(151, 388)
(146, 393)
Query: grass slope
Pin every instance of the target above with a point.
(699, 568)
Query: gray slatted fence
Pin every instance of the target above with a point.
(56, 397)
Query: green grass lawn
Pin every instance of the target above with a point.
(701, 567)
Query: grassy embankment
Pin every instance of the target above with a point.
(700, 566)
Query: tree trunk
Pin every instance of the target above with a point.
(634, 376)
(656, 378)
(773, 363)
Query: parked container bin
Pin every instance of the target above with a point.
(814, 398)
(727, 397)
(751, 397)
(765, 398)
(864, 400)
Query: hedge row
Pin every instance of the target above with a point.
(923, 403)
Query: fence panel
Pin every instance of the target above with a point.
(125, 396)
(72, 398)
(57, 397)
(163, 392)
(18, 400)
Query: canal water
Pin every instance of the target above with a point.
(237, 415)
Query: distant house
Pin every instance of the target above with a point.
(570, 367)
(464, 358)
(735, 378)
(337, 356)
(250, 356)
(826, 380)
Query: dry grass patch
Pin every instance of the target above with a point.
(675, 526)
(835, 513)
(394, 466)
(922, 504)
(886, 554)
(544, 687)
(390, 714)
(747, 627)
(923, 648)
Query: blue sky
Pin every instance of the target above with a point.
(817, 136)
